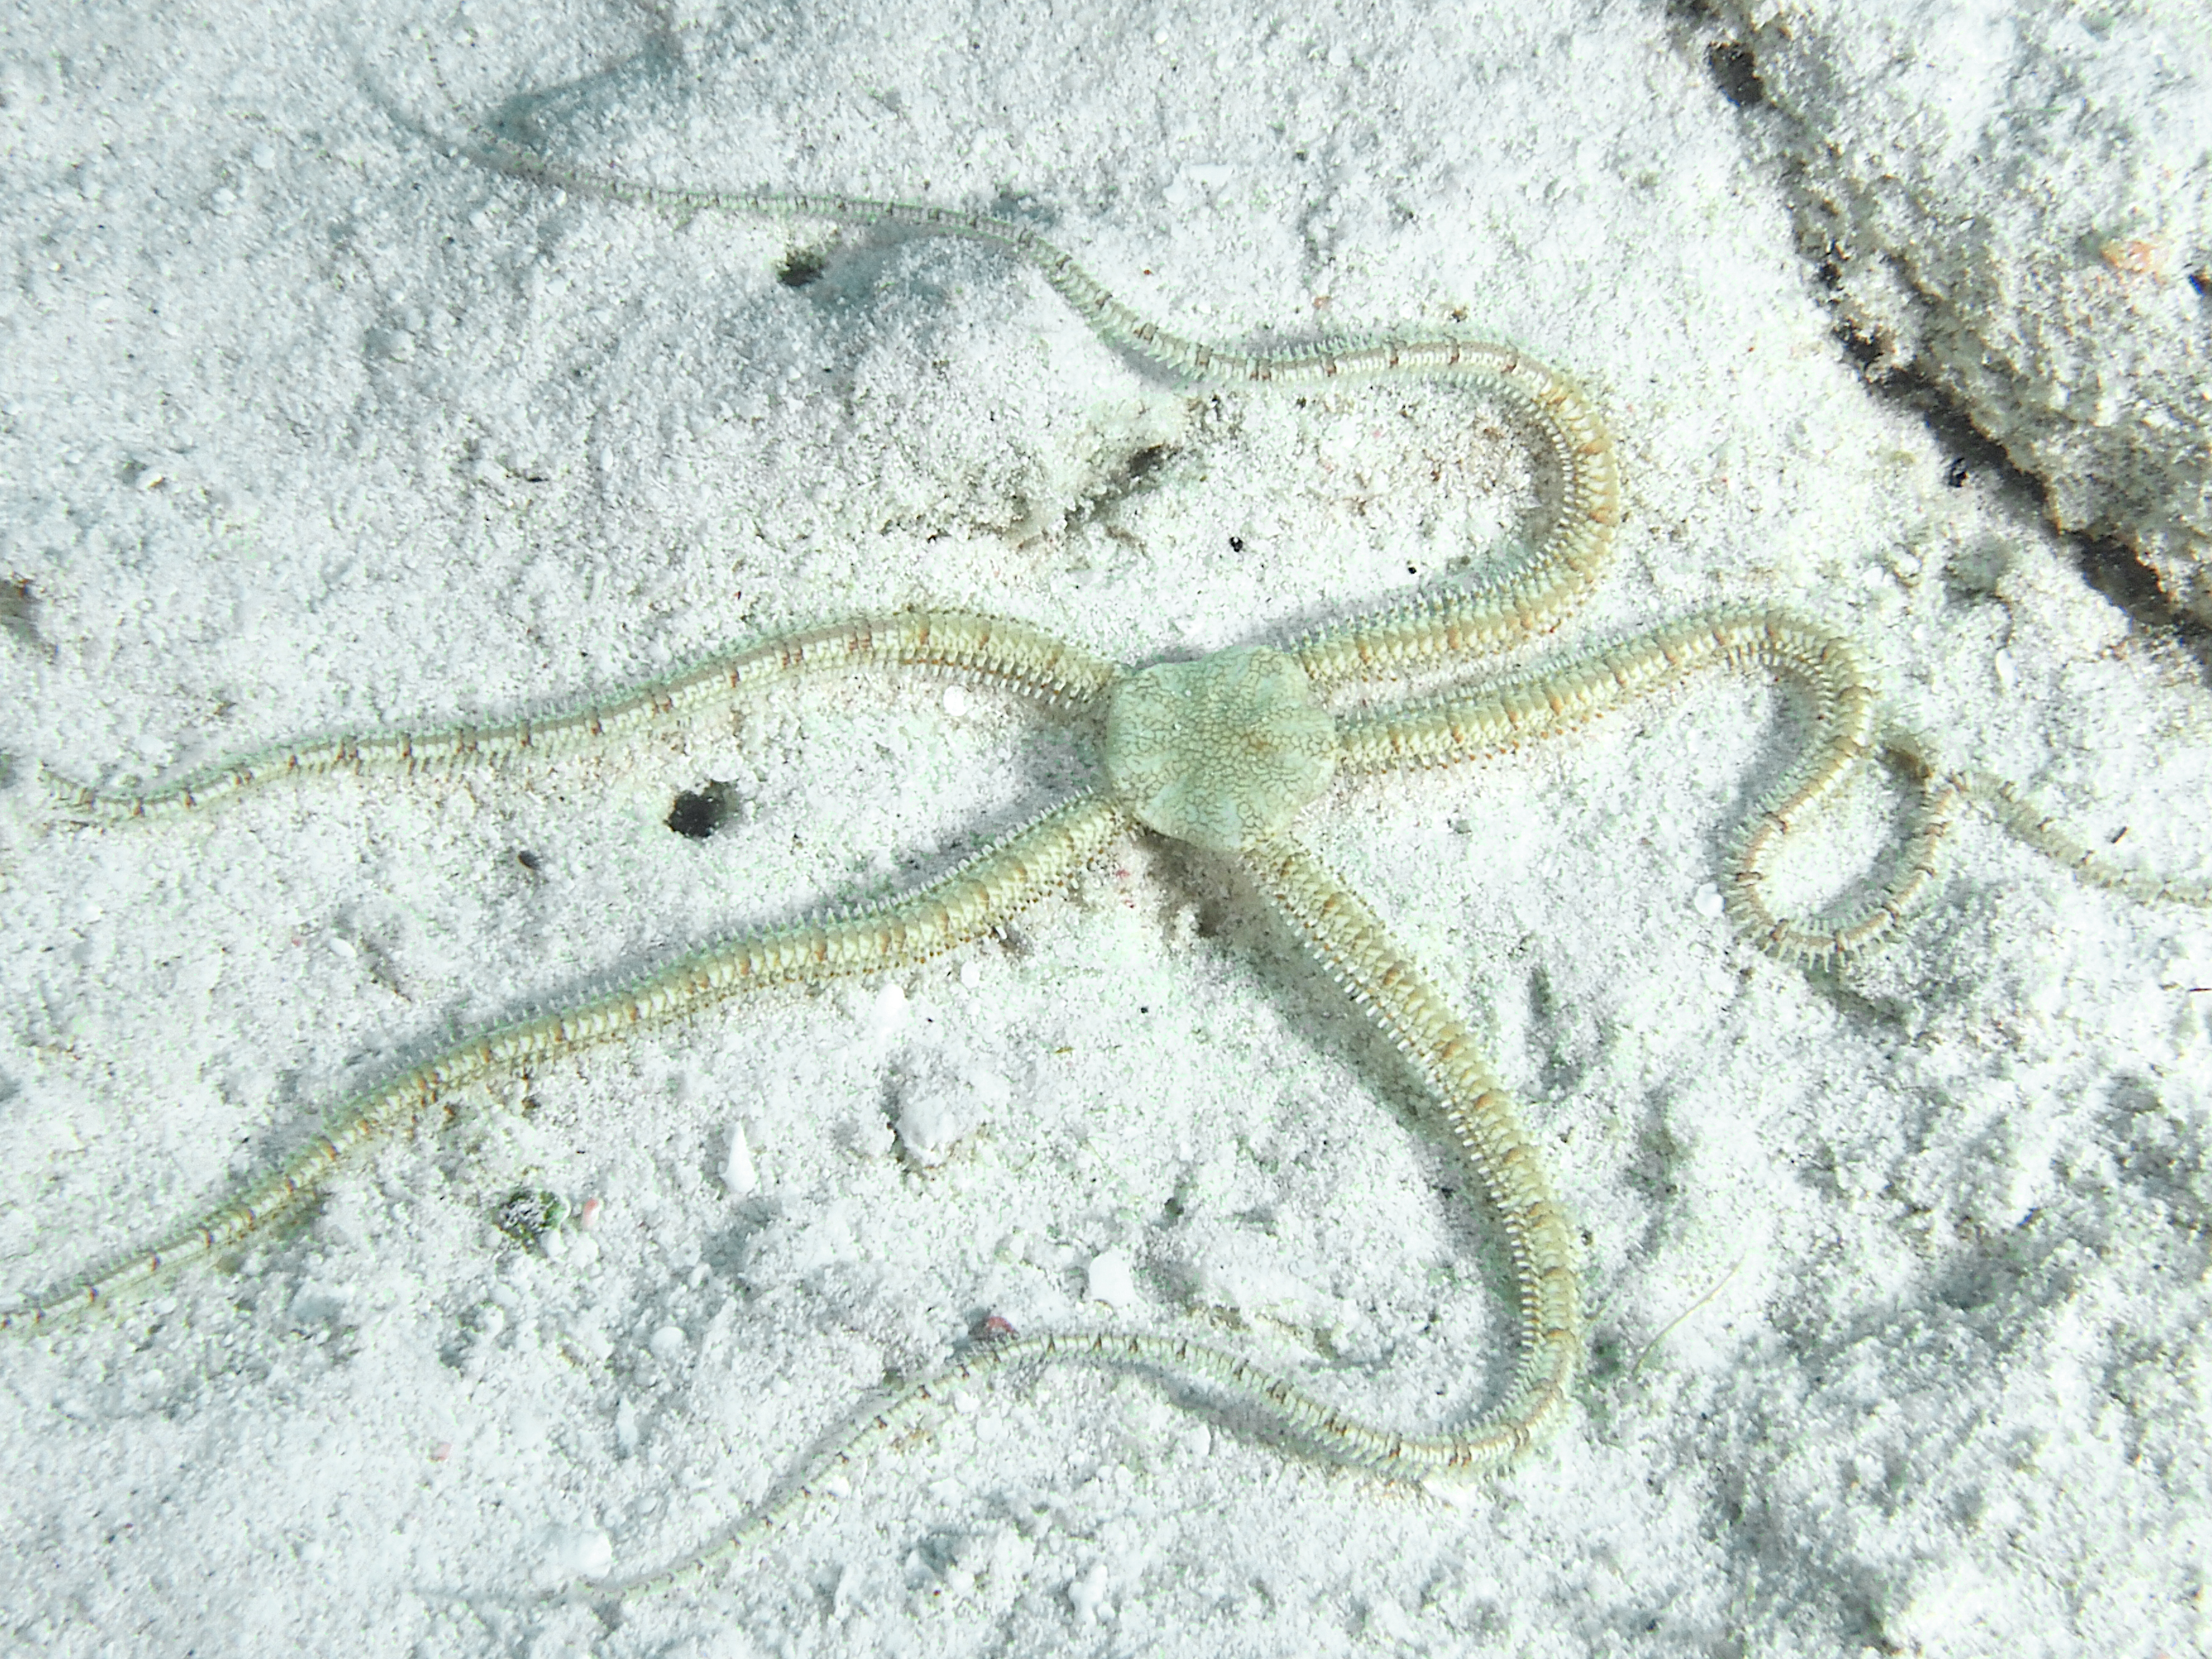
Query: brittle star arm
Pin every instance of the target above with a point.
(1351, 942)
(971, 900)
(1528, 596)
(1844, 715)
(2028, 824)
(962, 643)
(1843, 711)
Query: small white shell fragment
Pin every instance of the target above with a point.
(569, 1552)
(871, 1135)
(1708, 902)
(667, 1344)
(943, 1105)
(738, 1173)
(956, 701)
(971, 976)
(1111, 1281)
(1087, 1593)
(888, 1012)
(625, 1428)
(1457, 1492)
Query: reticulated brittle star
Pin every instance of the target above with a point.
(1223, 753)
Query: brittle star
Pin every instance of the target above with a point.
(1223, 753)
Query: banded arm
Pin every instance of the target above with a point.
(1312, 1421)
(966, 644)
(970, 901)
(1352, 943)
(1844, 709)
(2027, 823)
(1528, 597)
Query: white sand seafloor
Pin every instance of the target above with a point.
(307, 425)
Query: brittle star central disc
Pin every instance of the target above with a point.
(1221, 752)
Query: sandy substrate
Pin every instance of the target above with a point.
(1899, 1274)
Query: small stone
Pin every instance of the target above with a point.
(738, 1175)
(1087, 1593)
(942, 1106)
(1110, 1280)
(888, 1012)
(528, 1213)
(571, 1552)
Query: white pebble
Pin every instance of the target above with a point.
(574, 1552)
(871, 1136)
(1709, 901)
(667, 1344)
(940, 1107)
(1111, 1281)
(890, 1011)
(625, 1428)
(738, 1173)
(1085, 1594)
(971, 976)
(2007, 672)
(956, 701)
